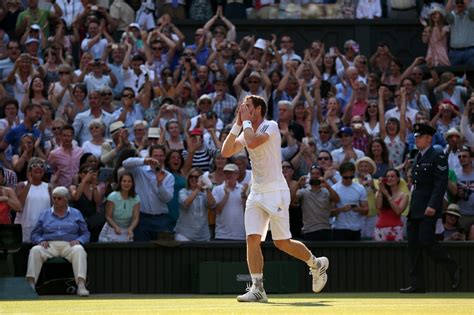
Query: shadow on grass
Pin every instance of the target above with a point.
(301, 304)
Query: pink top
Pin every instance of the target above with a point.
(65, 164)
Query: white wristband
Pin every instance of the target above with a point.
(247, 124)
(235, 130)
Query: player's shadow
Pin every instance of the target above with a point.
(304, 304)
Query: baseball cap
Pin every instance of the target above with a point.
(346, 131)
(231, 168)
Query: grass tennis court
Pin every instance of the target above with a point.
(342, 303)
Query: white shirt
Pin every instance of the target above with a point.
(71, 9)
(97, 49)
(410, 113)
(338, 155)
(368, 9)
(134, 81)
(265, 160)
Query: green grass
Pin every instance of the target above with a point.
(334, 304)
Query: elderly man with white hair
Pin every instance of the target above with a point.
(61, 231)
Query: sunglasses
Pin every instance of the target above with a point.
(130, 96)
(156, 48)
(287, 166)
(56, 128)
(323, 158)
(348, 177)
(463, 156)
(357, 122)
(106, 94)
(63, 72)
(138, 130)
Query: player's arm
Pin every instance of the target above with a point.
(231, 144)
(254, 140)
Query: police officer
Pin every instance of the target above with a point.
(430, 180)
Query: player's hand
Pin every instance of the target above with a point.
(75, 242)
(244, 112)
(45, 244)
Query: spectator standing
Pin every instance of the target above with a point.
(34, 195)
(436, 36)
(315, 203)
(94, 43)
(390, 201)
(192, 224)
(155, 188)
(122, 211)
(368, 9)
(82, 120)
(9, 200)
(230, 206)
(466, 192)
(65, 160)
(461, 19)
(351, 208)
(347, 152)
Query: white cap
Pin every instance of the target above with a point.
(231, 168)
(260, 43)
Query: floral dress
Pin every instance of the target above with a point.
(396, 149)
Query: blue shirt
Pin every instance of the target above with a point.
(134, 115)
(153, 198)
(51, 227)
(202, 55)
(13, 137)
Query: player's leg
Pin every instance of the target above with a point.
(256, 225)
(280, 225)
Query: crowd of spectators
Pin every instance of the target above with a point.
(112, 101)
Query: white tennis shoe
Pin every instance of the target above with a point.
(254, 294)
(319, 274)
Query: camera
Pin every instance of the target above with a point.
(157, 168)
(353, 205)
(188, 59)
(314, 182)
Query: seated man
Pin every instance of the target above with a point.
(60, 232)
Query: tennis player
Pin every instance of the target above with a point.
(269, 198)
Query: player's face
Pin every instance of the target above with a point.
(251, 107)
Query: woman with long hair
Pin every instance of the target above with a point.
(371, 116)
(122, 211)
(78, 103)
(37, 93)
(378, 152)
(393, 132)
(20, 77)
(435, 35)
(87, 197)
(390, 201)
(60, 93)
(328, 69)
(195, 199)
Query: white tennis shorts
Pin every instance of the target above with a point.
(270, 207)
